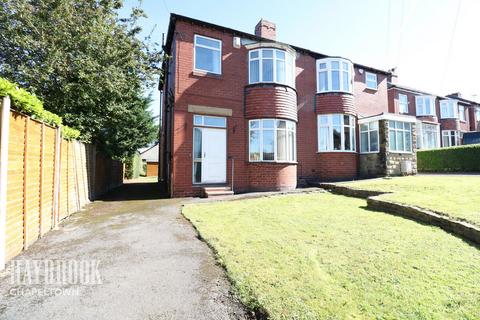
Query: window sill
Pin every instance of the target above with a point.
(401, 152)
(337, 151)
(199, 73)
(335, 92)
(426, 115)
(273, 162)
(371, 89)
(371, 152)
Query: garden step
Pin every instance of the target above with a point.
(217, 191)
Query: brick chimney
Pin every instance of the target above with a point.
(266, 29)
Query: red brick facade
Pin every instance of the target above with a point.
(239, 101)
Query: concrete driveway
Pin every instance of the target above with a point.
(151, 266)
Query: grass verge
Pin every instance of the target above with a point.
(323, 256)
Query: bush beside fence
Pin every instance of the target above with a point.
(454, 159)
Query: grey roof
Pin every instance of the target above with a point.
(150, 154)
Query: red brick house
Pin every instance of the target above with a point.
(247, 112)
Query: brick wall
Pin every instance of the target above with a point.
(270, 101)
(31, 208)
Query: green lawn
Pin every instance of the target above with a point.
(455, 196)
(323, 256)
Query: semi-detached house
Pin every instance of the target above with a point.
(247, 112)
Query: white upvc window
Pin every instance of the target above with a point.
(477, 114)
(425, 105)
(400, 136)
(207, 55)
(371, 80)
(209, 121)
(449, 109)
(271, 66)
(369, 137)
(461, 113)
(272, 140)
(451, 138)
(334, 75)
(403, 103)
(336, 132)
(429, 136)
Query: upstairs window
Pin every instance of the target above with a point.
(403, 103)
(369, 137)
(461, 113)
(448, 109)
(371, 80)
(400, 136)
(425, 105)
(208, 54)
(334, 75)
(271, 65)
(336, 132)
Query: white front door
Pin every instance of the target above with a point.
(214, 157)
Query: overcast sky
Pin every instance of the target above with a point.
(434, 44)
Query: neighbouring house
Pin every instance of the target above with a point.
(149, 157)
(246, 112)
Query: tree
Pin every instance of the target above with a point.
(86, 64)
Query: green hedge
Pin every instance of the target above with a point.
(29, 104)
(134, 167)
(453, 159)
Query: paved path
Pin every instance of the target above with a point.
(152, 266)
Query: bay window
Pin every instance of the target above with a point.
(450, 138)
(208, 54)
(334, 75)
(428, 136)
(272, 140)
(449, 109)
(369, 137)
(271, 65)
(425, 105)
(400, 136)
(461, 113)
(336, 132)
(403, 103)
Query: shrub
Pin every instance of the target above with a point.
(133, 167)
(29, 104)
(453, 159)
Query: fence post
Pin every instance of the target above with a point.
(4, 132)
(42, 159)
(25, 189)
(56, 178)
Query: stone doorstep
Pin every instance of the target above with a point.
(462, 229)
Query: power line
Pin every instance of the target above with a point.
(450, 46)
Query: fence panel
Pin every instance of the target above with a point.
(31, 205)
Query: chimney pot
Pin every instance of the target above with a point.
(266, 29)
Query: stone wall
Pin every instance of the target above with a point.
(394, 159)
(384, 162)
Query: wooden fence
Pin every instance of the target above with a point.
(44, 179)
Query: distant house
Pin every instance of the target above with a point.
(150, 157)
